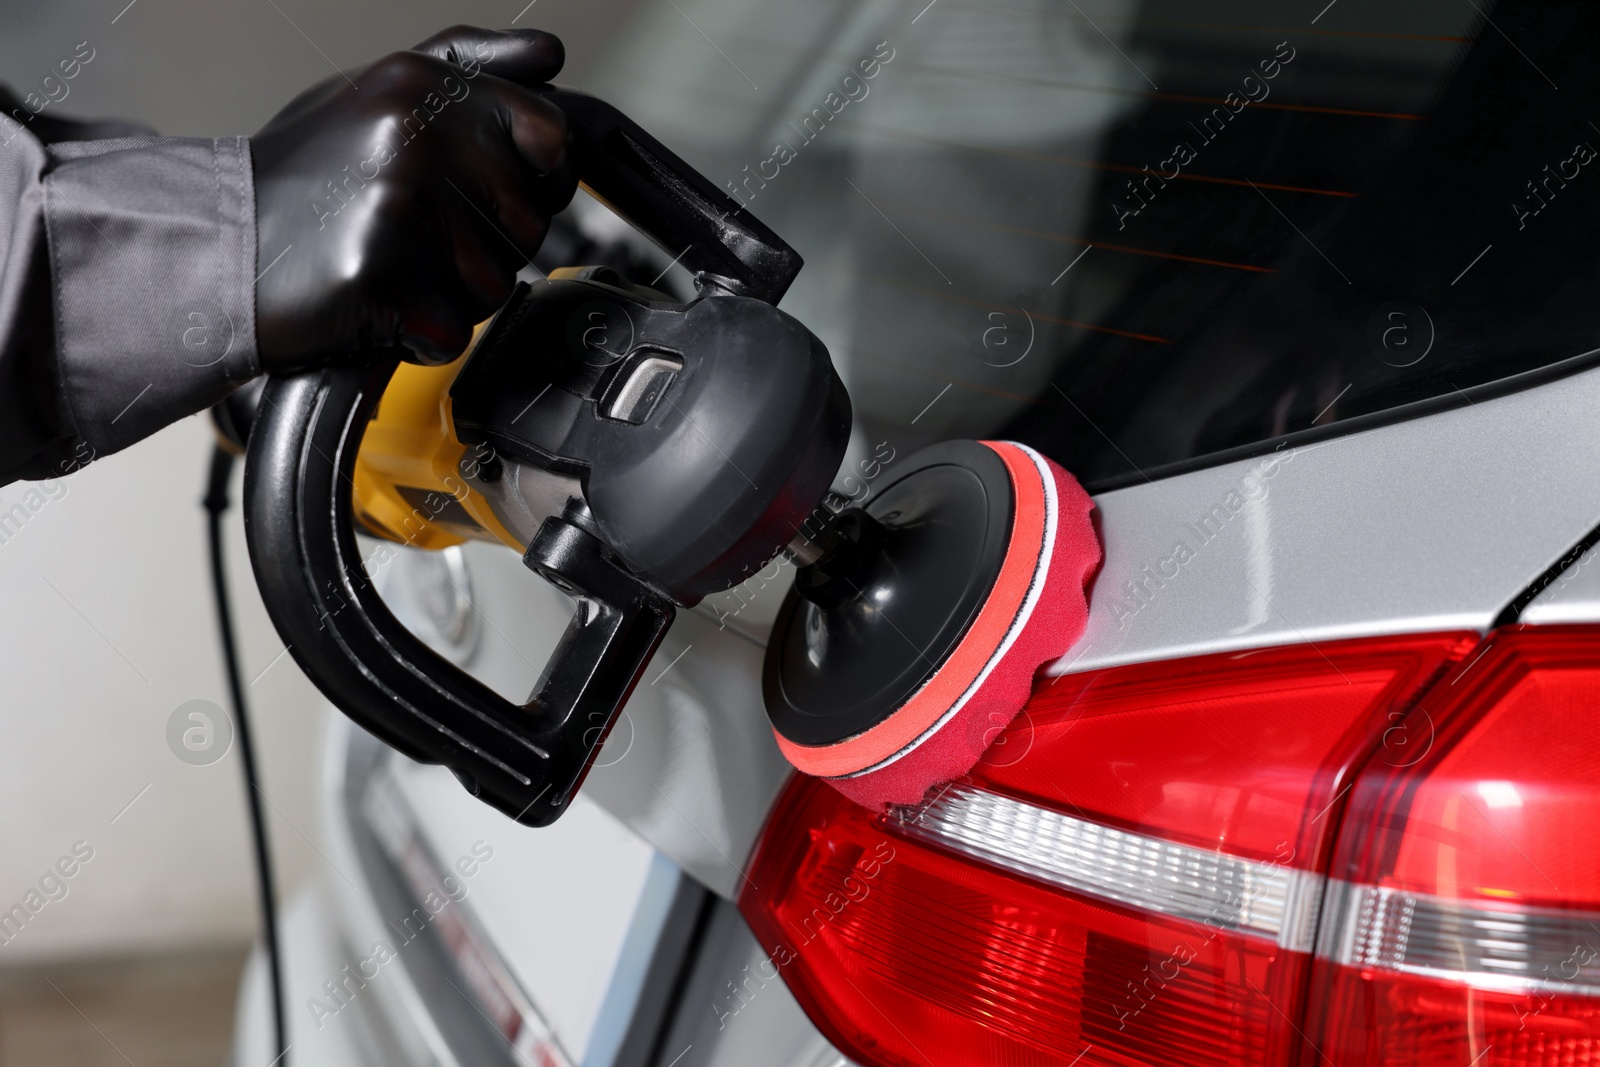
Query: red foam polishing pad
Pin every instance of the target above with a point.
(1037, 609)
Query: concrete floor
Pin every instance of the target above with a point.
(146, 1011)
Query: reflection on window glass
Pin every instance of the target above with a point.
(1134, 233)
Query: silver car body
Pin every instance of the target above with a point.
(1430, 524)
(572, 936)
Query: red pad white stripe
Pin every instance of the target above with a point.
(1036, 610)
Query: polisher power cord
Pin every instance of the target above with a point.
(216, 505)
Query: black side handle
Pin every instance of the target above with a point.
(646, 183)
(528, 760)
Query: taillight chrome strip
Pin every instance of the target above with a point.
(1506, 948)
(500, 998)
(1178, 881)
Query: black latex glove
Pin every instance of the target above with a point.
(408, 195)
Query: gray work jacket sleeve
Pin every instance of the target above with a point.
(127, 290)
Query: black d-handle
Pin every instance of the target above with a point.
(526, 760)
(643, 181)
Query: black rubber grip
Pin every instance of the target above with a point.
(645, 182)
(526, 760)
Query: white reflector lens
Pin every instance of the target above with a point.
(1263, 899)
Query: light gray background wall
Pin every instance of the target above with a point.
(105, 613)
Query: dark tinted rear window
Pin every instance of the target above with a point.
(1134, 234)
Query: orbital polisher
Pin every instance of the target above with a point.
(641, 453)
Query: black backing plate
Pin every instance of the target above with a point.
(831, 674)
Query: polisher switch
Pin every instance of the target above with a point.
(1035, 610)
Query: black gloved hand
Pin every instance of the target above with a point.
(407, 196)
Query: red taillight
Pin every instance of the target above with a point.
(1131, 877)
(1464, 924)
